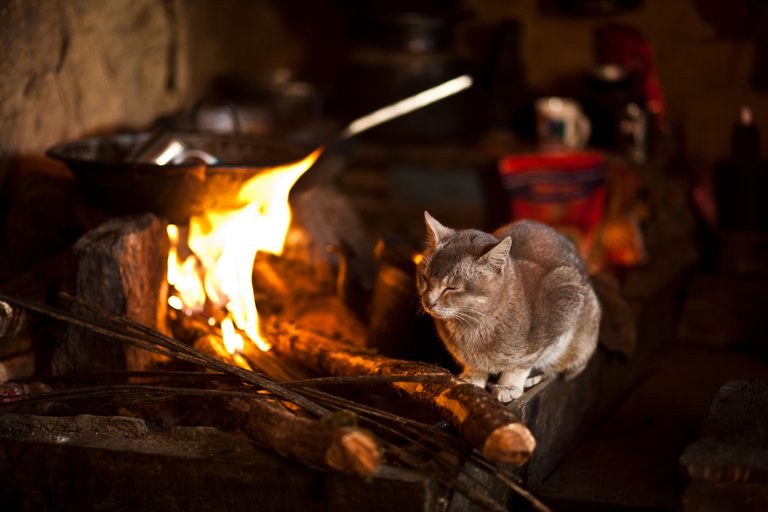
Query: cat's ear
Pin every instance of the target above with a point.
(496, 257)
(435, 230)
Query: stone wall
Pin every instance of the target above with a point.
(74, 68)
(70, 69)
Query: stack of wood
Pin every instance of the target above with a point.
(488, 425)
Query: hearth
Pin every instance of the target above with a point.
(129, 373)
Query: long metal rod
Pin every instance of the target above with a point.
(407, 105)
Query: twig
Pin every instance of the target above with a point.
(143, 374)
(127, 389)
(365, 379)
(355, 380)
(301, 392)
(146, 338)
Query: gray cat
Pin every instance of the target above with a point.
(509, 303)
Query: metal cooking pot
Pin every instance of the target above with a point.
(108, 172)
(175, 191)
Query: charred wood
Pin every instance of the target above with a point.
(289, 289)
(313, 442)
(213, 346)
(208, 339)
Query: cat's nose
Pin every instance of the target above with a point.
(428, 302)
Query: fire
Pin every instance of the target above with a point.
(224, 245)
(183, 277)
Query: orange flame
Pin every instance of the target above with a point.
(225, 244)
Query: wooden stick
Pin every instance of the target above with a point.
(483, 421)
(313, 442)
(129, 331)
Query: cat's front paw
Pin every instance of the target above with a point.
(506, 394)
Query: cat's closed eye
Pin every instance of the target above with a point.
(452, 289)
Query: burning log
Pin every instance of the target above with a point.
(487, 424)
(293, 292)
(213, 346)
(208, 339)
(317, 443)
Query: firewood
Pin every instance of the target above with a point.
(292, 290)
(119, 266)
(213, 346)
(207, 339)
(314, 442)
(486, 423)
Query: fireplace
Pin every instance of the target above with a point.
(185, 307)
(184, 421)
(354, 404)
(128, 332)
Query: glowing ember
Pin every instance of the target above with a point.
(225, 244)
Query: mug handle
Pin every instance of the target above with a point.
(583, 130)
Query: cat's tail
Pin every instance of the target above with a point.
(533, 380)
(585, 337)
(618, 332)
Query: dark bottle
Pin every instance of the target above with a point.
(739, 181)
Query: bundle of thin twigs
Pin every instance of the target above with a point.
(258, 401)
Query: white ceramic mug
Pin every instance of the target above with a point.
(560, 124)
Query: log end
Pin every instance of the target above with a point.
(511, 443)
(354, 452)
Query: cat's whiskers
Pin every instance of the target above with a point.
(468, 316)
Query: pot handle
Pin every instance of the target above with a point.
(208, 102)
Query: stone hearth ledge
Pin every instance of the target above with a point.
(112, 463)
